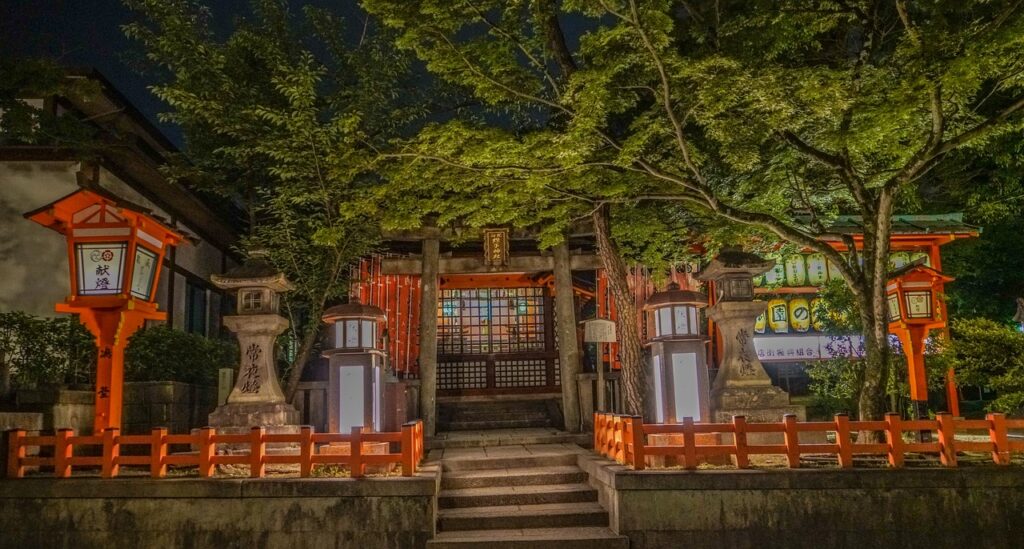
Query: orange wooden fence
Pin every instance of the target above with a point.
(624, 439)
(309, 454)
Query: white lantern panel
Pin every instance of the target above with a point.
(659, 399)
(694, 327)
(143, 273)
(686, 389)
(367, 334)
(665, 318)
(894, 308)
(100, 267)
(682, 320)
(352, 392)
(351, 333)
(919, 304)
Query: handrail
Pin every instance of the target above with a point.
(206, 459)
(624, 439)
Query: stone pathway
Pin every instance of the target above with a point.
(518, 495)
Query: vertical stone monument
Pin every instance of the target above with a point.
(742, 387)
(256, 400)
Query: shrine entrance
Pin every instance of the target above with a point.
(495, 335)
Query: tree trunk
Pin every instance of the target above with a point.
(305, 350)
(874, 312)
(5, 377)
(630, 347)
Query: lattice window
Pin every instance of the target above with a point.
(558, 373)
(491, 320)
(520, 373)
(462, 375)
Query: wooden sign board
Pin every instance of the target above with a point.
(599, 331)
(496, 247)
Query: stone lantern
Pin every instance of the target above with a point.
(256, 400)
(912, 294)
(742, 387)
(678, 367)
(355, 384)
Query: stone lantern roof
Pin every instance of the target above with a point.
(257, 271)
(352, 310)
(735, 262)
(674, 296)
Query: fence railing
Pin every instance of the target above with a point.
(206, 459)
(625, 439)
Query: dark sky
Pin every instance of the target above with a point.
(87, 33)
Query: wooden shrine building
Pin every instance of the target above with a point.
(476, 315)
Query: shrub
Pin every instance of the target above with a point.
(38, 351)
(160, 353)
(989, 355)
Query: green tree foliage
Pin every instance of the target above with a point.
(26, 85)
(38, 351)
(990, 355)
(161, 353)
(284, 114)
(773, 115)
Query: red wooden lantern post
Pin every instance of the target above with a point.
(914, 309)
(114, 258)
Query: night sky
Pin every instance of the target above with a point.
(87, 33)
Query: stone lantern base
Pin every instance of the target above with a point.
(757, 403)
(243, 416)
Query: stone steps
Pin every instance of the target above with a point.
(507, 423)
(499, 462)
(592, 537)
(541, 515)
(568, 474)
(496, 414)
(518, 497)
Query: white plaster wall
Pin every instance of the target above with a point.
(33, 259)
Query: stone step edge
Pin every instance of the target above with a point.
(542, 534)
(532, 509)
(484, 491)
(480, 464)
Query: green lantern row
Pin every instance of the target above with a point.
(814, 270)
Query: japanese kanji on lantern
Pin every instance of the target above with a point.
(115, 251)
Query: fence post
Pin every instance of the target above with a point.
(408, 449)
(894, 438)
(637, 424)
(1000, 441)
(257, 451)
(357, 465)
(158, 453)
(305, 451)
(419, 442)
(845, 454)
(739, 441)
(947, 435)
(15, 453)
(111, 451)
(597, 433)
(206, 451)
(689, 444)
(792, 438)
(62, 452)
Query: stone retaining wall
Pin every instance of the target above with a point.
(147, 404)
(391, 512)
(792, 509)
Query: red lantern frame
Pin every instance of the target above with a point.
(911, 329)
(91, 216)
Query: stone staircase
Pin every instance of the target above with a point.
(517, 497)
(475, 415)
